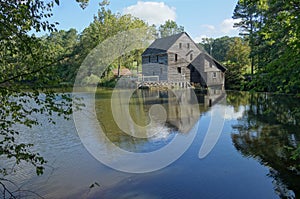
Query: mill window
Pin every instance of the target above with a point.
(214, 75)
(179, 69)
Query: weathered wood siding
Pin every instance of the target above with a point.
(206, 72)
(177, 70)
(186, 51)
(213, 75)
(157, 65)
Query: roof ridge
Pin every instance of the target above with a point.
(161, 45)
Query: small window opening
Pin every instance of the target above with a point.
(179, 69)
(149, 59)
(214, 75)
(188, 45)
(176, 57)
(191, 57)
(180, 45)
(157, 58)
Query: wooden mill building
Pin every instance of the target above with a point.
(178, 58)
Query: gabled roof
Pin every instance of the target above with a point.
(198, 61)
(162, 45)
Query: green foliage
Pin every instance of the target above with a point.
(26, 72)
(237, 64)
(91, 80)
(272, 27)
(64, 46)
(108, 83)
(220, 47)
(170, 28)
(71, 48)
(296, 154)
(105, 25)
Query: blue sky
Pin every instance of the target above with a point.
(201, 18)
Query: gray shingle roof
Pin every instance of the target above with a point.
(198, 61)
(162, 45)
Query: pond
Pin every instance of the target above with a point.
(249, 158)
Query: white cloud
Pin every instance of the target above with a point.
(231, 114)
(227, 25)
(223, 28)
(199, 38)
(152, 12)
(209, 27)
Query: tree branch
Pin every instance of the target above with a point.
(35, 71)
(5, 189)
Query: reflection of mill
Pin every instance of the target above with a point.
(211, 96)
(180, 104)
(181, 107)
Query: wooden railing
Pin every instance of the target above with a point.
(153, 78)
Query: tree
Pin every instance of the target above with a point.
(220, 47)
(247, 11)
(64, 44)
(25, 71)
(208, 44)
(272, 28)
(237, 63)
(280, 47)
(107, 24)
(170, 28)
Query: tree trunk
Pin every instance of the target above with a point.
(252, 66)
(137, 67)
(119, 66)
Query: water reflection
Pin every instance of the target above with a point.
(254, 156)
(180, 106)
(269, 132)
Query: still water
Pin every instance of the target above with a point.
(251, 158)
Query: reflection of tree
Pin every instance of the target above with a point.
(267, 131)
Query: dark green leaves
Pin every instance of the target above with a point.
(272, 27)
(83, 3)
